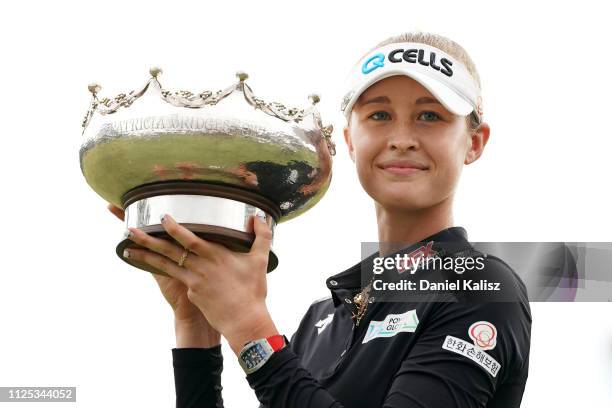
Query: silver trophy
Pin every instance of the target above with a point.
(211, 160)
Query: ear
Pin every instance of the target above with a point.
(349, 142)
(477, 141)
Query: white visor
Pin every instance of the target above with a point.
(446, 78)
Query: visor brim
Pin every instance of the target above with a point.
(448, 97)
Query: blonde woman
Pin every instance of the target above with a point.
(414, 119)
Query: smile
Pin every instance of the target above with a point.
(403, 167)
(403, 171)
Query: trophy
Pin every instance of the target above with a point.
(211, 160)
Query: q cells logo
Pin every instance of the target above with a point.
(411, 56)
(375, 61)
(484, 335)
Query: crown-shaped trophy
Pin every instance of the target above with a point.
(211, 160)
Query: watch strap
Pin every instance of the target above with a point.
(277, 341)
(257, 352)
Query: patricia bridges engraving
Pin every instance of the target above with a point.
(184, 123)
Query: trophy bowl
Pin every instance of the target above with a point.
(211, 160)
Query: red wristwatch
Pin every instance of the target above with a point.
(255, 353)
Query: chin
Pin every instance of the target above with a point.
(405, 205)
(406, 199)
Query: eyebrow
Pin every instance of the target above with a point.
(384, 99)
(427, 99)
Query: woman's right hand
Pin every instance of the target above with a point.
(191, 327)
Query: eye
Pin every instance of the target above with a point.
(380, 115)
(430, 116)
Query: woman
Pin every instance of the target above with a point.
(414, 118)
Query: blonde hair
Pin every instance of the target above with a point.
(445, 44)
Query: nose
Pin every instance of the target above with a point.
(403, 139)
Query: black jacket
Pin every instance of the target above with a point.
(402, 354)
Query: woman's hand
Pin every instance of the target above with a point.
(191, 327)
(228, 287)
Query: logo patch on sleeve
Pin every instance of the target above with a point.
(484, 335)
(393, 324)
(474, 353)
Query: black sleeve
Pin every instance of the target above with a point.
(446, 369)
(282, 382)
(433, 375)
(197, 377)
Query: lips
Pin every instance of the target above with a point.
(403, 166)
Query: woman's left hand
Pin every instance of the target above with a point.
(228, 287)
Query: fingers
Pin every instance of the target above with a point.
(161, 246)
(117, 212)
(188, 239)
(263, 237)
(159, 262)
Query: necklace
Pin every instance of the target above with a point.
(361, 300)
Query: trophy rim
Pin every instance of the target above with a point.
(202, 188)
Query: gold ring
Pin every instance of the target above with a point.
(183, 257)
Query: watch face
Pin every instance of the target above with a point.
(253, 356)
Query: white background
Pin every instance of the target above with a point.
(73, 314)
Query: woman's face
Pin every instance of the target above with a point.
(408, 149)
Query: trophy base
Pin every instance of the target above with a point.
(216, 213)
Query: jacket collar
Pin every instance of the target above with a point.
(350, 279)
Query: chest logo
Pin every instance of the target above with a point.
(323, 323)
(483, 334)
(391, 325)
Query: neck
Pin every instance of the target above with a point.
(396, 226)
